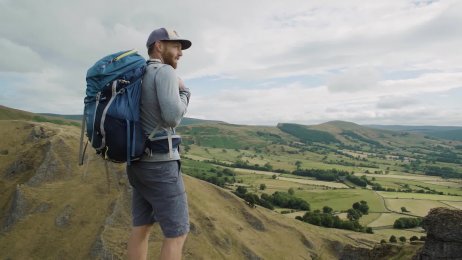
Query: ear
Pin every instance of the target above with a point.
(159, 46)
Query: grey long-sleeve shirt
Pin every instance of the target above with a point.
(161, 103)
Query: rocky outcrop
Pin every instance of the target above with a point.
(64, 218)
(37, 132)
(444, 235)
(18, 209)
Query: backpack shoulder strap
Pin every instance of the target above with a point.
(158, 127)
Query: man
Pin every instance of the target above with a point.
(158, 189)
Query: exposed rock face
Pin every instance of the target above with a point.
(444, 235)
(18, 209)
(37, 132)
(64, 218)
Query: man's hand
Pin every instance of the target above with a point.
(181, 84)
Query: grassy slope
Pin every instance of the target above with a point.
(223, 226)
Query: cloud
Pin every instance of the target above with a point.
(14, 57)
(395, 102)
(353, 80)
(350, 45)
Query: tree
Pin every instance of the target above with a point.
(291, 191)
(327, 210)
(268, 166)
(262, 186)
(383, 241)
(393, 239)
(402, 239)
(353, 214)
(413, 238)
(369, 230)
(274, 176)
(241, 190)
(298, 164)
(403, 209)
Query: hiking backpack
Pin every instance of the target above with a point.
(112, 107)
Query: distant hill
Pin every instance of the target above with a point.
(7, 113)
(69, 117)
(443, 132)
(184, 121)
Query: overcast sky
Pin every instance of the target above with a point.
(251, 62)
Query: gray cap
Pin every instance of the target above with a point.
(163, 34)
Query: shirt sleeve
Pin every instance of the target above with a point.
(173, 102)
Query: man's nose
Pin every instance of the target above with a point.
(180, 53)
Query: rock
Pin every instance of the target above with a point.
(448, 230)
(47, 170)
(444, 235)
(253, 221)
(18, 209)
(17, 167)
(64, 218)
(249, 254)
(36, 133)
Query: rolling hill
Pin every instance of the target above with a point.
(52, 208)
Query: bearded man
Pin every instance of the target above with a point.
(158, 190)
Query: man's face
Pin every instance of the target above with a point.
(171, 53)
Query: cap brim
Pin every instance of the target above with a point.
(185, 44)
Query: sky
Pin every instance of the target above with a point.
(251, 62)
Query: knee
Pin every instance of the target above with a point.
(179, 239)
(141, 231)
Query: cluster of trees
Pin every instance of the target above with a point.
(403, 223)
(379, 187)
(308, 135)
(358, 210)
(280, 199)
(324, 175)
(244, 165)
(444, 172)
(360, 181)
(326, 218)
(274, 138)
(403, 239)
(361, 138)
(446, 156)
(218, 176)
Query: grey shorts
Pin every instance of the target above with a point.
(159, 196)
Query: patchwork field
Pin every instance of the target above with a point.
(341, 199)
(418, 208)
(418, 196)
(384, 220)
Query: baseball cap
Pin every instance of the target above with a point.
(163, 34)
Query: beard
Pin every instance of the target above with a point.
(170, 59)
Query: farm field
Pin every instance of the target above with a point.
(396, 183)
(315, 182)
(403, 176)
(365, 150)
(455, 204)
(385, 219)
(418, 196)
(418, 208)
(341, 199)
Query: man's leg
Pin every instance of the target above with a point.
(172, 248)
(138, 242)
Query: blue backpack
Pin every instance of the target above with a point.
(112, 107)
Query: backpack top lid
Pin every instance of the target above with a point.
(110, 68)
